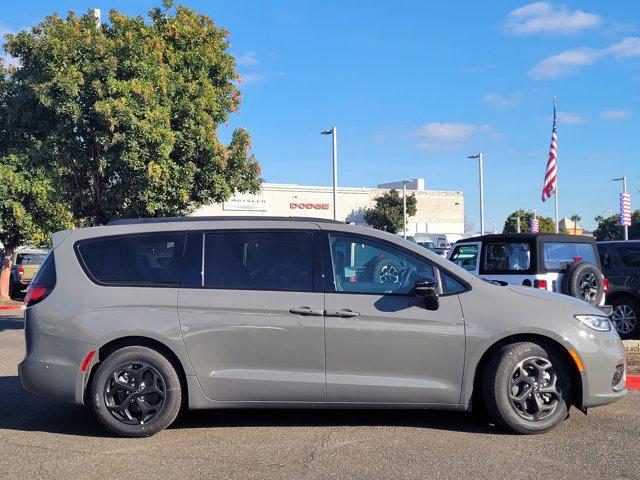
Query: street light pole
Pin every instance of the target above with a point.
(479, 157)
(404, 208)
(517, 219)
(334, 133)
(624, 190)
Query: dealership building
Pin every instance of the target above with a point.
(438, 211)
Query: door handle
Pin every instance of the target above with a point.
(345, 313)
(306, 311)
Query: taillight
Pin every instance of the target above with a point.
(541, 284)
(36, 293)
(606, 286)
(21, 271)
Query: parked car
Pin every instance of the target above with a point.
(621, 266)
(139, 318)
(25, 263)
(565, 264)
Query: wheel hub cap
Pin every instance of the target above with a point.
(534, 391)
(624, 318)
(134, 393)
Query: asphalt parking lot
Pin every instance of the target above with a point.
(42, 438)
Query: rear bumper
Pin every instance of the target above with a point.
(600, 354)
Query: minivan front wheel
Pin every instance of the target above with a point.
(526, 387)
(136, 392)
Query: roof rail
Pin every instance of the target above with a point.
(134, 221)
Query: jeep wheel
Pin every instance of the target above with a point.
(136, 392)
(526, 388)
(626, 317)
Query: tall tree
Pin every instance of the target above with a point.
(387, 214)
(125, 115)
(610, 228)
(30, 208)
(575, 218)
(545, 224)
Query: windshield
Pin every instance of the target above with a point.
(30, 258)
(558, 255)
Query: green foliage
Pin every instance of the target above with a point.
(387, 214)
(545, 224)
(124, 116)
(610, 229)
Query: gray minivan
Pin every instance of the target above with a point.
(142, 317)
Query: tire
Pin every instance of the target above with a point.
(387, 272)
(584, 281)
(626, 317)
(13, 292)
(501, 385)
(136, 366)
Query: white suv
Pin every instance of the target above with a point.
(559, 263)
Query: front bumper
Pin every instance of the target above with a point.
(600, 353)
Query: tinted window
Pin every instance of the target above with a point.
(258, 261)
(558, 255)
(630, 256)
(507, 256)
(149, 259)
(465, 256)
(605, 257)
(46, 275)
(366, 266)
(450, 284)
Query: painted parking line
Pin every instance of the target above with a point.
(12, 307)
(633, 382)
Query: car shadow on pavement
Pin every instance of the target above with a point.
(23, 411)
(12, 323)
(431, 419)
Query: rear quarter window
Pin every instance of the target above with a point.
(153, 259)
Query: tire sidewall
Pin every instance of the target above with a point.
(173, 397)
(509, 417)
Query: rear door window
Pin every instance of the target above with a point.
(465, 256)
(557, 255)
(153, 259)
(245, 260)
(507, 257)
(630, 255)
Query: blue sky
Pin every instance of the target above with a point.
(414, 87)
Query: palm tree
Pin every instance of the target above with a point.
(575, 218)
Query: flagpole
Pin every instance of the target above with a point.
(556, 189)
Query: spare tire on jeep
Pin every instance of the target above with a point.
(584, 281)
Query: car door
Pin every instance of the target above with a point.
(251, 312)
(382, 344)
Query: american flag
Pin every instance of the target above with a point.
(625, 209)
(534, 225)
(551, 176)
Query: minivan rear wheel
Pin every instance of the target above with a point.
(526, 387)
(136, 392)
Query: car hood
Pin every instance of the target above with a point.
(580, 306)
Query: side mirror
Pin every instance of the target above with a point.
(427, 288)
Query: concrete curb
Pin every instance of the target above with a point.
(633, 382)
(12, 307)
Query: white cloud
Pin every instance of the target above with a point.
(564, 64)
(571, 118)
(252, 78)
(567, 63)
(450, 136)
(501, 101)
(247, 59)
(615, 114)
(545, 17)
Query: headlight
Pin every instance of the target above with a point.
(596, 322)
